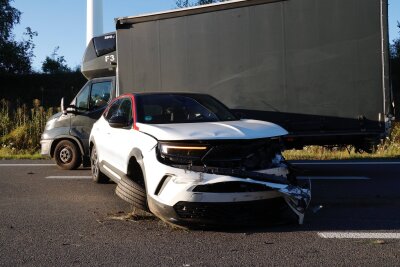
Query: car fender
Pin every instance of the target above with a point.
(137, 154)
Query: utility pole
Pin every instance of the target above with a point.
(94, 19)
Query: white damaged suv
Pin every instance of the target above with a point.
(187, 159)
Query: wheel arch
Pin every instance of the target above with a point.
(91, 145)
(136, 157)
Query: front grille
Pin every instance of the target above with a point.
(230, 212)
(231, 187)
(248, 155)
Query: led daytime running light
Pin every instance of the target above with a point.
(165, 148)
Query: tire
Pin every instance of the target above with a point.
(132, 193)
(97, 175)
(67, 155)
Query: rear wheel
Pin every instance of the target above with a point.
(67, 155)
(132, 193)
(97, 175)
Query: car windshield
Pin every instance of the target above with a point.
(180, 108)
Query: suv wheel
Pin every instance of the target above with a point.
(132, 193)
(67, 155)
(97, 175)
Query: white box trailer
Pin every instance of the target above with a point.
(319, 68)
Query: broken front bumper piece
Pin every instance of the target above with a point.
(216, 199)
(298, 199)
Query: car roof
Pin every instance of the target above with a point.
(168, 93)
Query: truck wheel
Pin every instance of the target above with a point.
(97, 175)
(132, 193)
(67, 155)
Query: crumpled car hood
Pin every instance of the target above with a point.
(241, 129)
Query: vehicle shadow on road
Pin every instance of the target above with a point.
(336, 217)
(381, 216)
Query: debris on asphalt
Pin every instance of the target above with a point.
(135, 215)
(378, 242)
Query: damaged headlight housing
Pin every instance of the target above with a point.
(181, 153)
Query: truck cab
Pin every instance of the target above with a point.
(66, 135)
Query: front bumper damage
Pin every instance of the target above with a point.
(209, 196)
(229, 183)
(297, 197)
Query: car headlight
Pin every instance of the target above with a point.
(181, 153)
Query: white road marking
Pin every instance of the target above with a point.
(333, 178)
(359, 235)
(69, 177)
(348, 163)
(26, 165)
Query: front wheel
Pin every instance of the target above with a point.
(132, 193)
(67, 155)
(97, 175)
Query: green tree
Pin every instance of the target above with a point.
(15, 56)
(188, 3)
(55, 63)
(395, 72)
(395, 47)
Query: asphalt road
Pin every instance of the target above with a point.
(54, 217)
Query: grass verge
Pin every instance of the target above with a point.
(308, 153)
(388, 149)
(7, 153)
(321, 153)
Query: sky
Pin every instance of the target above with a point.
(63, 23)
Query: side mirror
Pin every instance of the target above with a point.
(118, 121)
(62, 106)
(67, 109)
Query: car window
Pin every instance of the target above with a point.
(181, 108)
(82, 98)
(112, 110)
(121, 107)
(100, 94)
(125, 109)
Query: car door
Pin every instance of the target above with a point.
(90, 103)
(120, 139)
(102, 134)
